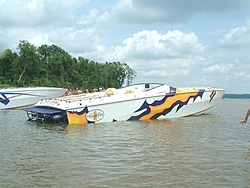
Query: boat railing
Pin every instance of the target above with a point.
(81, 97)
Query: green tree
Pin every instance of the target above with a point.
(130, 73)
(27, 65)
(57, 65)
(50, 65)
(6, 67)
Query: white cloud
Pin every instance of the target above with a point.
(219, 68)
(150, 45)
(37, 13)
(74, 40)
(241, 74)
(237, 36)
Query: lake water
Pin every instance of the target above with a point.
(210, 150)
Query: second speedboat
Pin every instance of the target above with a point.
(13, 98)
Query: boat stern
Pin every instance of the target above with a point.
(46, 115)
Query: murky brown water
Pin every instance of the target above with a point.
(211, 150)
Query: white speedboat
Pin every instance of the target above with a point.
(135, 102)
(12, 98)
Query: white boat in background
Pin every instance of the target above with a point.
(135, 102)
(12, 98)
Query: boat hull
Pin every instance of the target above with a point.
(18, 98)
(132, 106)
(157, 107)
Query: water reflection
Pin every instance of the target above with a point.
(210, 150)
(50, 127)
(178, 130)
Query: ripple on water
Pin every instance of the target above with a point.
(210, 150)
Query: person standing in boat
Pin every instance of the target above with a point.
(246, 117)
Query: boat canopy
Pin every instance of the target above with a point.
(43, 110)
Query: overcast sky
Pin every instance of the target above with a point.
(178, 42)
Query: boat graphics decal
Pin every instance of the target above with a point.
(78, 117)
(213, 93)
(167, 104)
(4, 100)
(95, 115)
(84, 117)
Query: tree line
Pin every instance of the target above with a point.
(50, 65)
